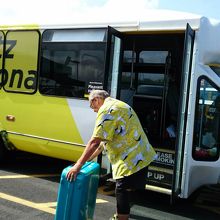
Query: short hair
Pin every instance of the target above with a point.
(98, 94)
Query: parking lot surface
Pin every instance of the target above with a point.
(29, 186)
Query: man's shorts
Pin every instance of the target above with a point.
(134, 181)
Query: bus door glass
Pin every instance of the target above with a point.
(112, 70)
(2, 40)
(113, 61)
(185, 85)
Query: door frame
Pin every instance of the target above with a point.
(183, 110)
(112, 32)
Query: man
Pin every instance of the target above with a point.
(127, 147)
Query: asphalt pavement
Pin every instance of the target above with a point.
(29, 186)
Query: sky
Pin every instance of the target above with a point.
(69, 11)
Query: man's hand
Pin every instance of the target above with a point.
(71, 175)
(89, 150)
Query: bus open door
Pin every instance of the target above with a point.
(112, 69)
(183, 111)
(197, 150)
(139, 68)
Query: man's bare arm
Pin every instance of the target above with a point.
(91, 147)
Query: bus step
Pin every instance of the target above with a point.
(158, 189)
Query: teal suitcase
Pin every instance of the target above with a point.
(76, 200)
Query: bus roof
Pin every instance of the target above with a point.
(151, 20)
(155, 20)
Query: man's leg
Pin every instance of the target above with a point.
(123, 194)
(123, 200)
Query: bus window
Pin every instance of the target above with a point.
(129, 56)
(70, 67)
(148, 102)
(153, 56)
(145, 76)
(156, 79)
(206, 141)
(127, 84)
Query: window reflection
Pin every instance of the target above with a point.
(70, 67)
(129, 56)
(153, 56)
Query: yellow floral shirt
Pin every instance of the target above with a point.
(127, 146)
